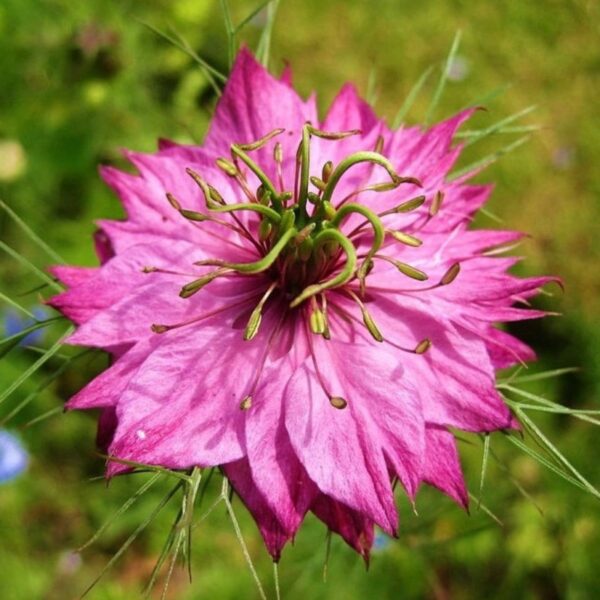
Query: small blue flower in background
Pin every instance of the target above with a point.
(13, 457)
(15, 322)
(381, 542)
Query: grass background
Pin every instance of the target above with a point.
(79, 81)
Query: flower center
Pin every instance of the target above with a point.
(298, 233)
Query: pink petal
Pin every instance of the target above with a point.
(356, 529)
(253, 104)
(273, 533)
(506, 350)
(276, 470)
(441, 467)
(182, 407)
(349, 111)
(337, 448)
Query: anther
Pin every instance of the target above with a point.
(405, 207)
(278, 153)
(406, 238)
(327, 170)
(304, 233)
(261, 142)
(173, 201)
(451, 274)
(414, 180)
(436, 203)
(317, 321)
(367, 318)
(423, 346)
(192, 215)
(405, 269)
(318, 183)
(246, 403)
(227, 167)
(337, 402)
(253, 324)
(379, 144)
(191, 288)
(159, 328)
(256, 316)
(411, 271)
(211, 200)
(333, 135)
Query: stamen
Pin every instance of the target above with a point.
(406, 238)
(278, 158)
(256, 316)
(173, 201)
(211, 197)
(317, 319)
(332, 135)
(222, 207)
(335, 401)
(423, 346)
(227, 167)
(436, 203)
(246, 403)
(149, 269)
(326, 171)
(451, 274)
(160, 328)
(405, 207)
(347, 316)
(379, 144)
(260, 142)
(367, 318)
(338, 402)
(405, 269)
(192, 215)
(195, 286)
(326, 332)
(318, 183)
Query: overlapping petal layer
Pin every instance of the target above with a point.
(296, 421)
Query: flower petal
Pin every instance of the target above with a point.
(338, 448)
(356, 529)
(273, 533)
(441, 467)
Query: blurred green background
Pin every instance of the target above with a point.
(78, 81)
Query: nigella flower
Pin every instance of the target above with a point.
(15, 323)
(300, 302)
(13, 457)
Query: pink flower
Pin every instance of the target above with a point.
(308, 310)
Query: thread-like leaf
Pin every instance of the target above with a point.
(439, 90)
(263, 51)
(411, 97)
(132, 537)
(489, 159)
(30, 266)
(212, 75)
(35, 366)
(34, 237)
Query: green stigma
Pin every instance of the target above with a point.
(298, 231)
